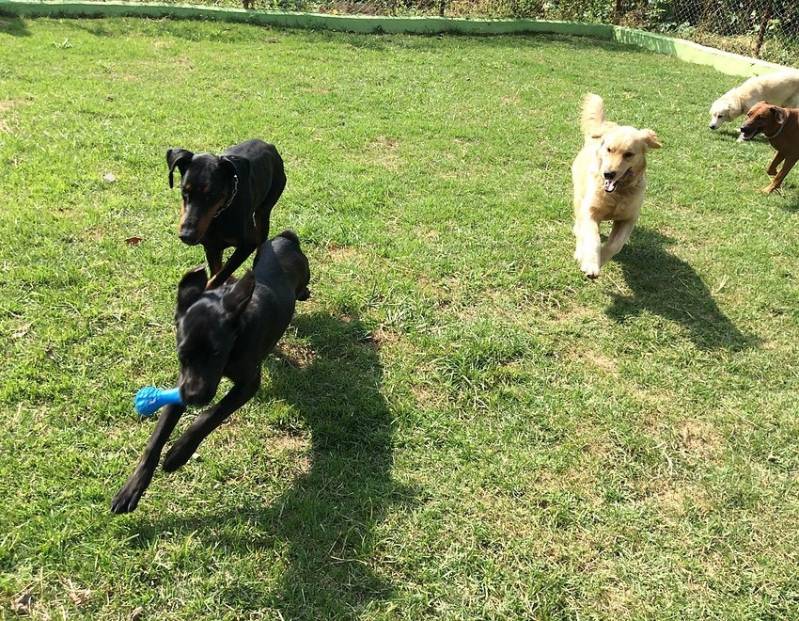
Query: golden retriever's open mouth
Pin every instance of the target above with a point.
(610, 185)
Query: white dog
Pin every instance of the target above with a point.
(609, 183)
(780, 88)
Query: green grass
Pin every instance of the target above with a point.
(459, 425)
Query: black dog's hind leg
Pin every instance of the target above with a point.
(207, 421)
(236, 259)
(129, 495)
(270, 200)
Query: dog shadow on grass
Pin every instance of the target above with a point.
(664, 284)
(13, 26)
(790, 194)
(324, 524)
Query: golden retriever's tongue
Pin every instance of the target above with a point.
(610, 185)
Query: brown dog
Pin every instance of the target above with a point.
(781, 127)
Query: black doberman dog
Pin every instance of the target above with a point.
(225, 331)
(227, 201)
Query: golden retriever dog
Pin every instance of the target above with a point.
(780, 88)
(609, 184)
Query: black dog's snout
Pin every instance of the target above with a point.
(609, 175)
(196, 394)
(188, 237)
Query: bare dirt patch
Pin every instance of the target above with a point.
(383, 151)
(6, 106)
(699, 438)
(298, 355)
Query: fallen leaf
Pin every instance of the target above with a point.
(133, 241)
(109, 177)
(80, 596)
(22, 331)
(22, 603)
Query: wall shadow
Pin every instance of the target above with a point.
(13, 26)
(327, 518)
(666, 285)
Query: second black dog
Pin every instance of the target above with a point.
(227, 200)
(226, 331)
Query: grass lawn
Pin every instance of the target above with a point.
(458, 425)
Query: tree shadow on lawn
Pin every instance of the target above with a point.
(668, 286)
(328, 516)
(13, 26)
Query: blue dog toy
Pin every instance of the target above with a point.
(151, 399)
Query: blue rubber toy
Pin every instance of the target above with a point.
(151, 399)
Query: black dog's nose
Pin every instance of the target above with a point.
(188, 238)
(196, 394)
(609, 175)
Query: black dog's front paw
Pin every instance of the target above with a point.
(127, 498)
(177, 456)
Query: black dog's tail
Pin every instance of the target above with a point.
(291, 235)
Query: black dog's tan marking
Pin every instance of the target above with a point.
(227, 200)
(226, 331)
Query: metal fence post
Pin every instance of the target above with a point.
(761, 33)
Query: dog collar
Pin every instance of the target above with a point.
(232, 196)
(778, 132)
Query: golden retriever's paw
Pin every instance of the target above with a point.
(590, 269)
(767, 190)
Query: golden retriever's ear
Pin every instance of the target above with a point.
(650, 139)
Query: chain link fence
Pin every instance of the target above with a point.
(767, 29)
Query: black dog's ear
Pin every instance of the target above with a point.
(180, 158)
(291, 236)
(191, 287)
(236, 300)
(228, 165)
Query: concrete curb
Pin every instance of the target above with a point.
(732, 64)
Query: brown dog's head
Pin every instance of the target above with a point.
(765, 118)
(622, 153)
(207, 183)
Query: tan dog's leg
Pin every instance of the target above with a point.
(616, 240)
(588, 245)
(772, 168)
(777, 181)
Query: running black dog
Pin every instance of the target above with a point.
(227, 201)
(226, 331)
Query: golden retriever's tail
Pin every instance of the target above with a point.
(593, 116)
